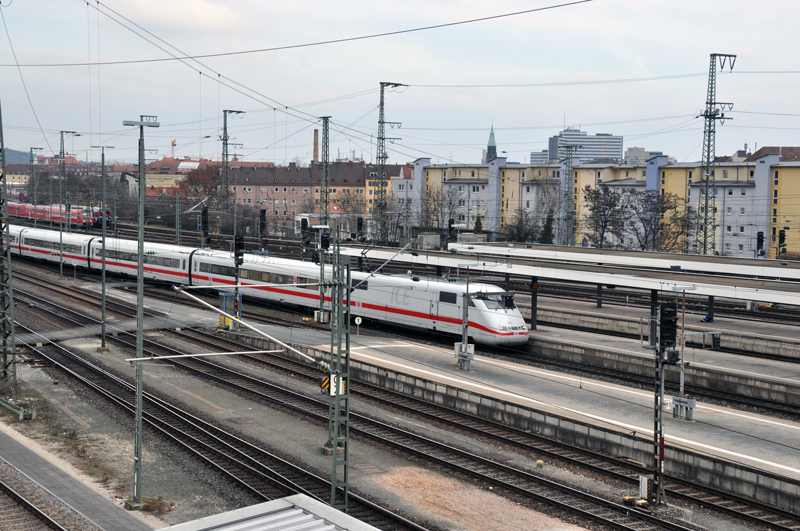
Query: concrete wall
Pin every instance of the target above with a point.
(634, 327)
(705, 470)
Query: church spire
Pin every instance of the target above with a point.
(491, 147)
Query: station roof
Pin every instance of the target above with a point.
(783, 290)
(291, 513)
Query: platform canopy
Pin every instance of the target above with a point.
(291, 513)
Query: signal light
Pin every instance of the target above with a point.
(668, 325)
(715, 341)
(326, 241)
(759, 241)
(673, 357)
(204, 219)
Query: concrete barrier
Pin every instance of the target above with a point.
(715, 379)
(702, 469)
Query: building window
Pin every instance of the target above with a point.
(724, 175)
(444, 173)
(741, 247)
(730, 192)
(523, 175)
(473, 173)
(426, 173)
(741, 229)
(663, 177)
(527, 204)
(741, 211)
(528, 189)
(400, 188)
(689, 193)
(775, 178)
(773, 234)
(576, 178)
(690, 177)
(276, 188)
(752, 175)
(728, 229)
(774, 215)
(774, 197)
(727, 247)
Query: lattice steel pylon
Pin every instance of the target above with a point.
(8, 364)
(380, 211)
(324, 190)
(570, 199)
(339, 406)
(705, 240)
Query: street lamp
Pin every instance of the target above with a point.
(144, 121)
(103, 222)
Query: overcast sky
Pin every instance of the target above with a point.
(595, 41)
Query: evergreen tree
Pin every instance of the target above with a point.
(478, 227)
(546, 236)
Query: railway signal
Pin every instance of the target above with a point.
(668, 326)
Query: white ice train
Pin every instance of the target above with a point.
(423, 303)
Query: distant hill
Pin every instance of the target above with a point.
(17, 157)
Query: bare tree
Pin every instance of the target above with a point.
(659, 222)
(605, 217)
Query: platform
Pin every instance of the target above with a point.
(72, 492)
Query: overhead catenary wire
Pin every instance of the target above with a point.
(330, 41)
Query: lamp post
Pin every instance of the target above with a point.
(103, 257)
(683, 290)
(144, 121)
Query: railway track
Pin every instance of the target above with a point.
(586, 506)
(261, 473)
(611, 467)
(17, 513)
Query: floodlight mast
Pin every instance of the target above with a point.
(144, 121)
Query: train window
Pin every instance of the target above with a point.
(215, 269)
(497, 301)
(184, 264)
(279, 279)
(243, 273)
(450, 298)
(266, 277)
(363, 285)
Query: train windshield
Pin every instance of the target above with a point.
(497, 301)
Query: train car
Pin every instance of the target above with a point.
(49, 245)
(162, 262)
(422, 303)
(56, 213)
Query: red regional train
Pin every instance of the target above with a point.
(55, 213)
